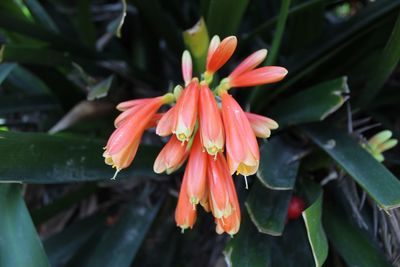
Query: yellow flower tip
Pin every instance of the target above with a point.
(182, 137)
(213, 151)
(246, 170)
(194, 200)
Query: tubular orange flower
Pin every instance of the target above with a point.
(131, 112)
(154, 120)
(167, 122)
(204, 201)
(214, 43)
(133, 103)
(187, 67)
(208, 119)
(219, 54)
(171, 157)
(122, 145)
(249, 63)
(241, 145)
(263, 75)
(261, 125)
(211, 126)
(195, 173)
(231, 224)
(186, 111)
(218, 180)
(185, 213)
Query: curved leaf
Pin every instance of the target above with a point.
(372, 176)
(44, 158)
(268, 208)
(388, 61)
(278, 164)
(313, 104)
(61, 246)
(20, 245)
(5, 70)
(315, 232)
(250, 248)
(353, 244)
(119, 245)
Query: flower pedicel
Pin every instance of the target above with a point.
(217, 138)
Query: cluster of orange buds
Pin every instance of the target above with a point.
(207, 127)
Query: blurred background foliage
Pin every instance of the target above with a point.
(64, 66)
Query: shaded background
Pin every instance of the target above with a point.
(66, 64)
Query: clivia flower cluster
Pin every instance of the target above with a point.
(208, 128)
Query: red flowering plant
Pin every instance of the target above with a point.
(207, 128)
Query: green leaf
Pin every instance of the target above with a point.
(278, 164)
(116, 25)
(336, 42)
(40, 15)
(20, 245)
(119, 245)
(249, 248)
(63, 245)
(101, 89)
(26, 82)
(372, 176)
(313, 104)
(315, 232)
(387, 62)
(60, 159)
(353, 244)
(224, 23)
(13, 24)
(268, 208)
(5, 70)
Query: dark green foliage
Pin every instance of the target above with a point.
(65, 64)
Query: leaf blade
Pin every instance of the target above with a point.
(17, 231)
(353, 159)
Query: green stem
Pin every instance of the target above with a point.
(276, 43)
(280, 28)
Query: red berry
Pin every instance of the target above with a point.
(296, 207)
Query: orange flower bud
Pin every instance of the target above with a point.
(171, 157)
(211, 126)
(186, 111)
(195, 172)
(261, 125)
